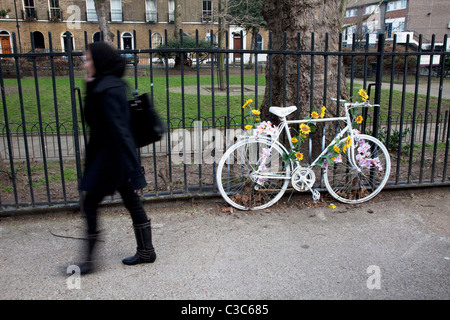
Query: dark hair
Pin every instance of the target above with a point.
(107, 61)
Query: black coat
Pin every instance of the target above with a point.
(111, 154)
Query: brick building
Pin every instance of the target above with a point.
(77, 16)
(38, 17)
(399, 17)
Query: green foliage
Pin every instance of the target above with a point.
(246, 14)
(4, 12)
(188, 43)
(394, 138)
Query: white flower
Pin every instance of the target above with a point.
(338, 159)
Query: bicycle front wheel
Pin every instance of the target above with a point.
(360, 175)
(251, 175)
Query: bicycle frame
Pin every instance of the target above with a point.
(285, 126)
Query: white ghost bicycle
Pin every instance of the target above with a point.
(254, 173)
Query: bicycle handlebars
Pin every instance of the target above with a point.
(356, 104)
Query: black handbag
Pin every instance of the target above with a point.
(146, 124)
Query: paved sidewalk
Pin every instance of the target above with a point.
(422, 88)
(396, 246)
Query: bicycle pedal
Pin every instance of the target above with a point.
(315, 195)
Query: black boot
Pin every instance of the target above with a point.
(87, 265)
(145, 252)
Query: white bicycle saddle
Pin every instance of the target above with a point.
(282, 112)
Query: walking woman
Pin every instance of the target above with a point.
(112, 162)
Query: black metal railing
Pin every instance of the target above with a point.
(42, 136)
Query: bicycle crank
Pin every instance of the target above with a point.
(303, 179)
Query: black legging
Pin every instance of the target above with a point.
(131, 200)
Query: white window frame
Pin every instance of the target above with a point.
(52, 10)
(63, 40)
(151, 11)
(350, 13)
(91, 13)
(116, 10)
(396, 5)
(371, 9)
(207, 13)
(171, 11)
(155, 36)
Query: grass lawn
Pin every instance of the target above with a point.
(192, 109)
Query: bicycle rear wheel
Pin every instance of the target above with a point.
(363, 177)
(251, 175)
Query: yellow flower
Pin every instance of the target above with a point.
(257, 119)
(315, 115)
(332, 206)
(344, 148)
(248, 127)
(256, 112)
(305, 128)
(363, 94)
(246, 103)
(322, 112)
(349, 141)
(359, 119)
(336, 149)
(299, 156)
(294, 140)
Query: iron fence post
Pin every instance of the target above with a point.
(378, 81)
(74, 109)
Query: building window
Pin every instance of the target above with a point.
(171, 10)
(207, 11)
(157, 40)
(396, 5)
(38, 39)
(259, 42)
(91, 14)
(350, 13)
(388, 33)
(151, 13)
(54, 13)
(63, 39)
(348, 33)
(371, 9)
(116, 10)
(97, 37)
(29, 10)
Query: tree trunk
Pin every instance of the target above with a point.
(102, 16)
(223, 8)
(177, 19)
(306, 17)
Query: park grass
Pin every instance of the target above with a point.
(170, 105)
